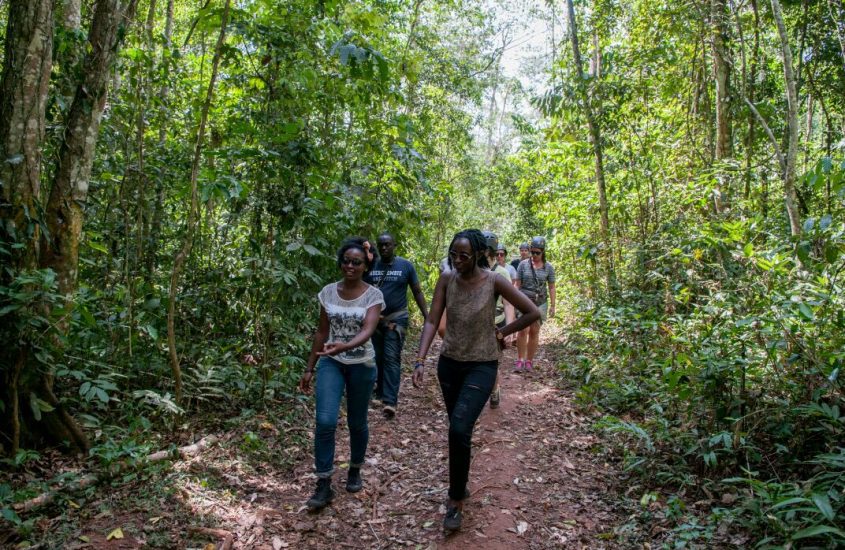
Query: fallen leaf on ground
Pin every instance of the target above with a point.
(115, 534)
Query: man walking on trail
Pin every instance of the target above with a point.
(392, 275)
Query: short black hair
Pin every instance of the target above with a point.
(477, 243)
(354, 243)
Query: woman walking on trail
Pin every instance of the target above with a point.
(349, 312)
(469, 357)
(533, 277)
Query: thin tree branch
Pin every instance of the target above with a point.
(765, 125)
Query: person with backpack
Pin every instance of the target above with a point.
(535, 278)
(469, 357)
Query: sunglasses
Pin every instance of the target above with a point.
(463, 256)
(536, 252)
(355, 262)
(500, 253)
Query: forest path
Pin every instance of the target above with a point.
(535, 481)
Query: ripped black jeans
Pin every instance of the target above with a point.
(466, 386)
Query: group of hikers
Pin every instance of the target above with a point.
(481, 305)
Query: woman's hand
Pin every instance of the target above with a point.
(417, 377)
(332, 348)
(305, 381)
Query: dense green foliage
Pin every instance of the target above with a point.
(709, 336)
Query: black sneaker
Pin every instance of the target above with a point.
(389, 411)
(452, 520)
(354, 483)
(323, 494)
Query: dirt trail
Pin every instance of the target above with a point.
(534, 482)
(537, 481)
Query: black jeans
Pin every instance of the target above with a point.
(466, 386)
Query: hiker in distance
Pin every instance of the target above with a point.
(504, 309)
(535, 277)
(392, 275)
(469, 357)
(349, 313)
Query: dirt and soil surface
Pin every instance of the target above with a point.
(537, 480)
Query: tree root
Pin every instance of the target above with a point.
(92, 479)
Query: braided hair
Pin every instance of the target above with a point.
(477, 243)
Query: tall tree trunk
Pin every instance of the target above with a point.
(751, 90)
(193, 211)
(72, 14)
(721, 73)
(24, 85)
(158, 205)
(792, 123)
(69, 190)
(595, 139)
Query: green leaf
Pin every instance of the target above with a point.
(825, 222)
(8, 309)
(33, 405)
(790, 501)
(293, 246)
(748, 250)
(817, 530)
(98, 246)
(102, 395)
(806, 311)
(311, 250)
(10, 516)
(823, 503)
(809, 223)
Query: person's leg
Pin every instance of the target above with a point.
(378, 344)
(475, 385)
(450, 377)
(521, 347)
(533, 342)
(359, 385)
(393, 341)
(328, 391)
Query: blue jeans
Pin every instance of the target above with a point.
(333, 377)
(466, 386)
(388, 345)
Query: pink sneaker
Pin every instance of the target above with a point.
(517, 365)
(527, 366)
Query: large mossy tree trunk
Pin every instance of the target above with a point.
(25, 87)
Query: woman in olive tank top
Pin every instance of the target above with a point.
(472, 344)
